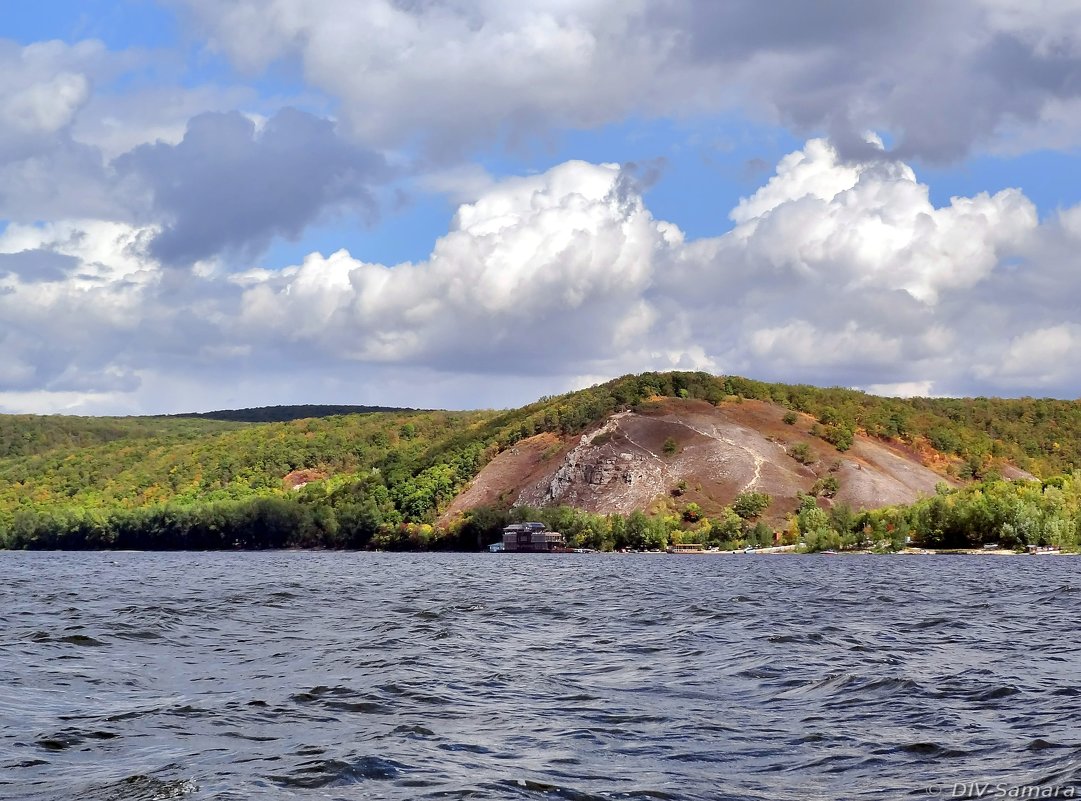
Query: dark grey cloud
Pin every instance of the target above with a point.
(636, 178)
(641, 176)
(939, 78)
(34, 266)
(69, 180)
(229, 186)
(742, 28)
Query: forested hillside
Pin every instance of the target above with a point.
(28, 435)
(381, 479)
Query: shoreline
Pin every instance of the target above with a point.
(781, 550)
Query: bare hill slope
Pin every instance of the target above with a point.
(720, 451)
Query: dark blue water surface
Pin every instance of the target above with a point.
(396, 676)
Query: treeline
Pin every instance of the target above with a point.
(355, 515)
(736, 527)
(1010, 514)
(364, 515)
(349, 512)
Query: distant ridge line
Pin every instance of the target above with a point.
(284, 414)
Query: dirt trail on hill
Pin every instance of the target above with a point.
(754, 454)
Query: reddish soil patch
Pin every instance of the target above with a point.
(298, 478)
(502, 479)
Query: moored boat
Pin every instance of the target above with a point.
(533, 538)
(686, 547)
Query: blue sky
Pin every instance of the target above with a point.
(120, 25)
(170, 166)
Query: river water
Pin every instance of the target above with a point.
(300, 675)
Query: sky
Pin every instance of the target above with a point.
(211, 204)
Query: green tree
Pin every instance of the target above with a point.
(801, 452)
(827, 486)
(839, 436)
(749, 505)
(727, 527)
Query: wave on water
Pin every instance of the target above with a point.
(131, 677)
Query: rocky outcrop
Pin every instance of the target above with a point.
(604, 468)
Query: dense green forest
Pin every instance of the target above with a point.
(28, 435)
(381, 478)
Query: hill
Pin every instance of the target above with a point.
(641, 459)
(706, 455)
(284, 414)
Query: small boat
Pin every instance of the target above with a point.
(1043, 549)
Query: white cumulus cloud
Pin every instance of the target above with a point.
(553, 265)
(834, 273)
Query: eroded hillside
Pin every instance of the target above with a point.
(707, 455)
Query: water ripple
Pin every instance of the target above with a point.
(131, 677)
